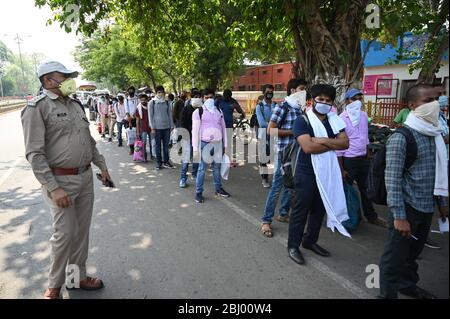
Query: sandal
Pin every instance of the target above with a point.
(266, 229)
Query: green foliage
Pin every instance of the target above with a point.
(16, 83)
(210, 39)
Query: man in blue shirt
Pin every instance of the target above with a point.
(308, 205)
(228, 105)
(263, 113)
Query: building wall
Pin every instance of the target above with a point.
(256, 77)
(405, 79)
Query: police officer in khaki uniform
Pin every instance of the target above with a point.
(60, 149)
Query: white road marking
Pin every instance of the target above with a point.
(10, 170)
(342, 281)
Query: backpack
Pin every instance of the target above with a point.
(254, 119)
(376, 186)
(289, 161)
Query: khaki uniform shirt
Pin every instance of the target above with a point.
(56, 133)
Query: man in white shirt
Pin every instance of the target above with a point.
(119, 110)
(131, 103)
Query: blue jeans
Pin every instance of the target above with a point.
(272, 197)
(119, 132)
(187, 158)
(216, 151)
(144, 137)
(162, 136)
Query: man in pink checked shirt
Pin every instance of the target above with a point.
(103, 110)
(210, 138)
(353, 161)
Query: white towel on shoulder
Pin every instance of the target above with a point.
(328, 175)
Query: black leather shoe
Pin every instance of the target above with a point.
(418, 293)
(296, 256)
(317, 249)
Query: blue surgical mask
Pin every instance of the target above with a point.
(443, 102)
(323, 108)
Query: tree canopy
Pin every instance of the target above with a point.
(209, 40)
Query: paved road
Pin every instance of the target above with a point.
(150, 240)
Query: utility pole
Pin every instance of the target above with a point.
(1, 84)
(19, 40)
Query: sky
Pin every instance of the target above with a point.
(21, 16)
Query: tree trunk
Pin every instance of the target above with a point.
(173, 80)
(328, 54)
(149, 72)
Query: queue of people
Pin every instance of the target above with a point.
(332, 150)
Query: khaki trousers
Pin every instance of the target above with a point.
(70, 239)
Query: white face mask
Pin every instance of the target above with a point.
(428, 112)
(300, 98)
(354, 111)
(323, 108)
(196, 102)
(209, 104)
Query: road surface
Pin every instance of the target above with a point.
(149, 239)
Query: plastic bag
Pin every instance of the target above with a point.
(138, 154)
(353, 208)
(225, 167)
(131, 136)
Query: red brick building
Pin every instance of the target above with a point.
(256, 76)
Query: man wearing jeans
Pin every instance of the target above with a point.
(281, 123)
(143, 127)
(119, 109)
(160, 115)
(209, 136)
(186, 125)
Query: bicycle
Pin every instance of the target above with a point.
(243, 131)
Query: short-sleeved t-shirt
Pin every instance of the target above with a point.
(301, 127)
(401, 116)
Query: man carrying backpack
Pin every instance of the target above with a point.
(209, 142)
(161, 123)
(280, 125)
(318, 183)
(410, 194)
(263, 113)
(192, 104)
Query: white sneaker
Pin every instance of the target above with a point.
(266, 184)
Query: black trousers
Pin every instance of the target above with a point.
(358, 169)
(398, 266)
(307, 205)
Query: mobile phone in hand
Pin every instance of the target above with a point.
(108, 183)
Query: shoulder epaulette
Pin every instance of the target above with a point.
(34, 101)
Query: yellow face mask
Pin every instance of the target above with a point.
(68, 87)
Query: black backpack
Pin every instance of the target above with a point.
(289, 161)
(376, 186)
(254, 119)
